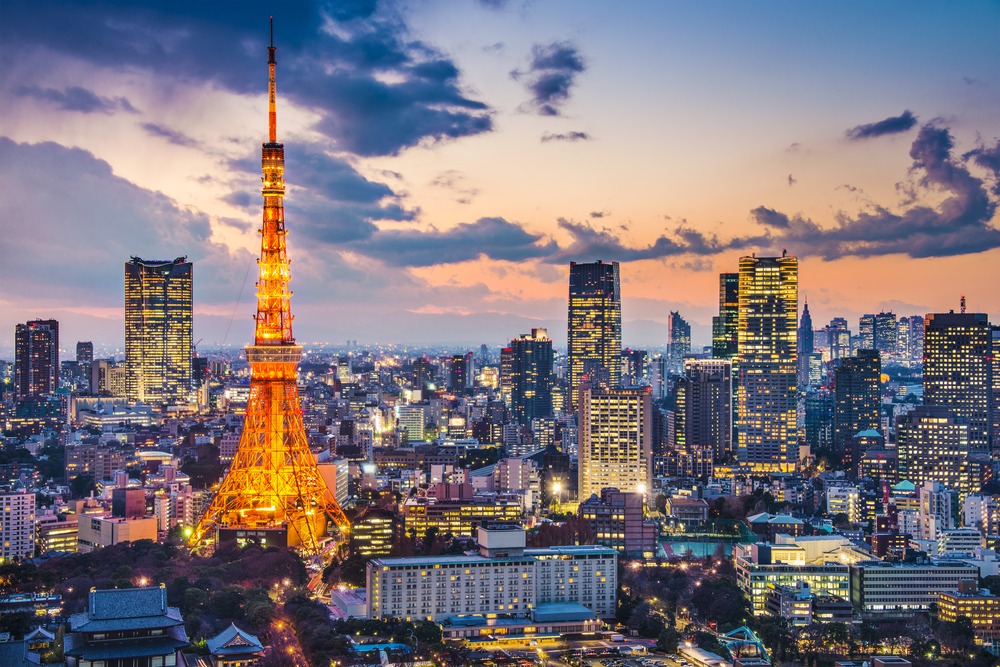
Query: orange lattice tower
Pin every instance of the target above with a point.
(273, 484)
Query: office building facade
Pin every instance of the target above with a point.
(594, 340)
(932, 444)
(958, 371)
(614, 440)
(767, 362)
(158, 330)
(679, 332)
(725, 327)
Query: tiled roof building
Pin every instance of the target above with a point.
(121, 625)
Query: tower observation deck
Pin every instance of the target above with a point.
(273, 491)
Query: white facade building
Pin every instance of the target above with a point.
(504, 580)
(17, 525)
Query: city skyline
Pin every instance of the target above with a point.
(469, 106)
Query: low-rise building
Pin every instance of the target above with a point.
(767, 526)
(618, 522)
(96, 532)
(844, 500)
(456, 510)
(979, 606)
(760, 565)
(374, 532)
(692, 512)
(898, 590)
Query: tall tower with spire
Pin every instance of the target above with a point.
(806, 344)
(273, 490)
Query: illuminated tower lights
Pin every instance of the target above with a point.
(273, 482)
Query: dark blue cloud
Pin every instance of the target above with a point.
(960, 225)
(891, 125)
(568, 136)
(76, 98)
(590, 243)
(495, 238)
(550, 75)
(341, 73)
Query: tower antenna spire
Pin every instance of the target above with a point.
(272, 114)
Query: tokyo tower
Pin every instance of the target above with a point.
(273, 489)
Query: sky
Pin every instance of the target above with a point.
(447, 159)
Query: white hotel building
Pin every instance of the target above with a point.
(504, 580)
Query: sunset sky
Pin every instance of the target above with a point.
(446, 160)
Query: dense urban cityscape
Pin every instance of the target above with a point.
(794, 493)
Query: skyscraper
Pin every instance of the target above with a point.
(725, 327)
(531, 376)
(680, 339)
(594, 341)
(158, 330)
(806, 345)
(421, 372)
(866, 331)
(615, 440)
(839, 338)
(767, 362)
(458, 373)
(84, 352)
(886, 333)
(36, 358)
(506, 375)
(958, 371)
(273, 489)
(933, 444)
(703, 418)
(857, 401)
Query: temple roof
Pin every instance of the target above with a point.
(233, 640)
(126, 609)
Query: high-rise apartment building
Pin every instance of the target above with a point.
(594, 341)
(725, 327)
(17, 525)
(703, 418)
(84, 352)
(679, 338)
(886, 333)
(158, 330)
(806, 345)
(615, 440)
(36, 358)
(767, 362)
(531, 376)
(958, 371)
(857, 400)
(933, 445)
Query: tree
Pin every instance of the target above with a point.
(667, 641)
(81, 486)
